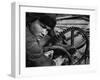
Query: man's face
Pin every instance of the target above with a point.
(37, 28)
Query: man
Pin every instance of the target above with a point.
(38, 32)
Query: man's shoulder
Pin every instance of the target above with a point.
(29, 35)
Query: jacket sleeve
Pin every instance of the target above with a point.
(32, 47)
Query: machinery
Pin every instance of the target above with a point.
(63, 53)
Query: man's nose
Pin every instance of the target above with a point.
(42, 34)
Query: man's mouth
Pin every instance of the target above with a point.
(43, 33)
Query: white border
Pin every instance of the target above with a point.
(18, 63)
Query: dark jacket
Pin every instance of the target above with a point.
(34, 50)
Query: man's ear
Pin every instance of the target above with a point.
(51, 33)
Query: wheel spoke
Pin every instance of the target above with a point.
(72, 37)
(81, 44)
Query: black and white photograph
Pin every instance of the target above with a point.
(54, 39)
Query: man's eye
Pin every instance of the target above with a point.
(43, 26)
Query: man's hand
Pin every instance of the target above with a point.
(49, 54)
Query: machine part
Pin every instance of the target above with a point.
(70, 50)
